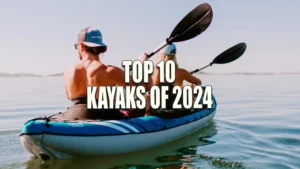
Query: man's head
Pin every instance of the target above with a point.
(90, 40)
(170, 50)
(168, 53)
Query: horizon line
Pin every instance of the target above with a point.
(5, 74)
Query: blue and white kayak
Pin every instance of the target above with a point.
(59, 139)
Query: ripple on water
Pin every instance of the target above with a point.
(11, 150)
(258, 144)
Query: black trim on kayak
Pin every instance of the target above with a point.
(47, 119)
(90, 135)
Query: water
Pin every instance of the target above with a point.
(257, 125)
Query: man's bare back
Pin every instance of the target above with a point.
(91, 73)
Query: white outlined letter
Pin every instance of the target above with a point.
(130, 100)
(164, 96)
(155, 97)
(207, 98)
(120, 98)
(161, 67)
(187, 97)
(178, 91)
(170, 71)
(111, 91)
(141, 103)
(102, 98)
(91, 97)
(148, 69)
(126, 64)
(137, 71)
(199, 91)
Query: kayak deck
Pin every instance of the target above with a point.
(146, 124)
(50, 138)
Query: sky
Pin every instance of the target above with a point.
(38, 36)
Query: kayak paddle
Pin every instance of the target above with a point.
(192, 25)
(227, 56)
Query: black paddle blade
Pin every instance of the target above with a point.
(230, 54)
(193, 24)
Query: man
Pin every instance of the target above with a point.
(181, 75)
(90, 71)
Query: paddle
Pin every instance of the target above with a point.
(227, 56)
(192, 25)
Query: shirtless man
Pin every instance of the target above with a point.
(181, 75)
(90, 71)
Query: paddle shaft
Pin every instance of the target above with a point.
(197, 70)
(157, 49)
(171, 39)
(227, 56)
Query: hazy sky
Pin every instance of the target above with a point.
(38, 36)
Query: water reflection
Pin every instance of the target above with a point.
(179, 154)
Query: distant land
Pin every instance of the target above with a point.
(200, 73)
(18, 75)
(56, 74)
(27, 75)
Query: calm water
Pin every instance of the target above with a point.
(257, 125)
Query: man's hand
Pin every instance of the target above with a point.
(143, 57)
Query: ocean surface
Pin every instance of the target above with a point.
(257, 125)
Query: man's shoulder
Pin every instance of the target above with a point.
(111, 68)
(73, 69)
(182, 70)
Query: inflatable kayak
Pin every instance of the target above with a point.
(50, 138)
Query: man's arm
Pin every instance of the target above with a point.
(190, 78)
(143, 57)
(117, 76)
(65, 79)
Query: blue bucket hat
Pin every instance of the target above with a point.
(91, 37)
(170, 50)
